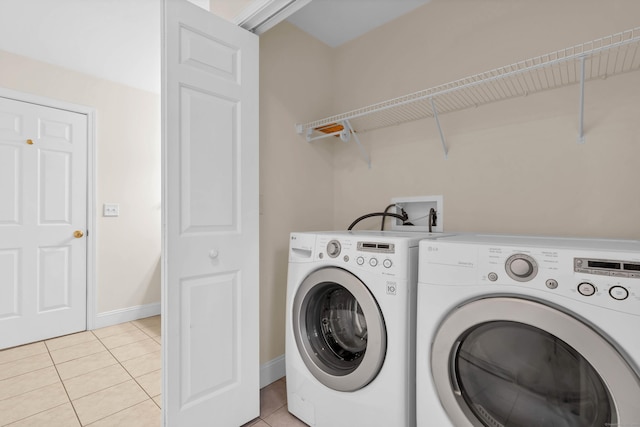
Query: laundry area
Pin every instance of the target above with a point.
(351, 215)
(511, 152)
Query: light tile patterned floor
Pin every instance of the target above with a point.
(105, 377)
(101, 378)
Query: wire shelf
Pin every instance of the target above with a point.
(604, 57)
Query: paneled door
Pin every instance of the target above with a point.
(210, 220)
(43, 221)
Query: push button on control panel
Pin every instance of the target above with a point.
(387, 263)
(373, 262)
(619, 293)
(586, 289)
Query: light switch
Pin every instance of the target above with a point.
(111, 209)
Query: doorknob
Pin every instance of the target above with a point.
(213, 253)
(30, 141)
(78, 234)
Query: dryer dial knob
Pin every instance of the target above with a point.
(521, 267)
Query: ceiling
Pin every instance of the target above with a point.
(335, 22)
(122, 43)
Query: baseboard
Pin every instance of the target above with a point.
(110, 318)
(272, 371)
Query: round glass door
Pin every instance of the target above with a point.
(339, 329)
(515, 375)
(512, 362)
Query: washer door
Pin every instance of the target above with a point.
(339, 329)
(517, 363)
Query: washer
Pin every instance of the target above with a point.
(350, 328)
(525, 331)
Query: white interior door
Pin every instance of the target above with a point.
(210, 220)
(43, 193)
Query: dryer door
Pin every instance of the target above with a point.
(339, 329)
(517, 363)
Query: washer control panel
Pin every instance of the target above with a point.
(374, 255)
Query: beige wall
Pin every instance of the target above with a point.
(296, 178)
(513, 166)
(128, 173)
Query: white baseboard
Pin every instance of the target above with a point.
(110, 318)
(272, 371)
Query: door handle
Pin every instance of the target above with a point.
(78, 234)
(213, 253)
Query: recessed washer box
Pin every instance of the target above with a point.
(418, 209)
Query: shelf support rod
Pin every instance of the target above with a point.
(435, 116)
(326, 135)
(581, 123)
(349, 128)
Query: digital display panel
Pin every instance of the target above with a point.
(632, 267)
(604, 264)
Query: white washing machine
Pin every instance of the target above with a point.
(524, 331)
(350, 339)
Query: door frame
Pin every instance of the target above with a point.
(90, 112)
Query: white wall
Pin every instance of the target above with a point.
(128, 173)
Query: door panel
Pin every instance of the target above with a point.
(209, 171)
(54, 187)
(53, 278)
(210, 220)
(43, 168)
(9, 190)
(208, 301)
(9, 262)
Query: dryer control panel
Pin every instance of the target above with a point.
(599, 277)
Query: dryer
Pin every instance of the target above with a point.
(526, 331)
(350, 328)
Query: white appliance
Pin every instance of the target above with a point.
(350, 339)
(525, 331)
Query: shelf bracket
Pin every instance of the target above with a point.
(435, 116)
(345, 137)
(581, 113)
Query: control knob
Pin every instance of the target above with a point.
(521, 267)
(333, 248)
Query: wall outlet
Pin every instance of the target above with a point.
(111, 209)
(417, 208)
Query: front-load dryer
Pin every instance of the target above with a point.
(525, 331)
(350, 328)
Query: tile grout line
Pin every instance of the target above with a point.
(63, 385)
(143, 389)
(69, 400)
(128, 373)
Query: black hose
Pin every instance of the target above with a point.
(382, 214)
(385, 216)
